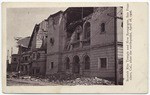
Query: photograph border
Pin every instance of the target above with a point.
(139, 82)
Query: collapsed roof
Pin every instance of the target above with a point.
(75, 16)
(36, 28)
(24, 42)
(77, 13)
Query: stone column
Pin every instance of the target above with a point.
(81, 68)
(71, 67)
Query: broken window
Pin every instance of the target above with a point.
(87, 62)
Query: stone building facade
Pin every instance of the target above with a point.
(81, 40)
(86, 41)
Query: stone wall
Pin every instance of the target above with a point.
(100, 16)
(52, 58)
(101, 45)
(94, 54)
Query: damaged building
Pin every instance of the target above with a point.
(14, 62)
(86, 41)
(37, 47)
(32, 51)
(23, 56)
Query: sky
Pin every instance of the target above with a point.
(21, 21)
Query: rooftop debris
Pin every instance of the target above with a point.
(24, 42)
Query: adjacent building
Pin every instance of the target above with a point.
(23, 56)
(14, 62)
(38, 48)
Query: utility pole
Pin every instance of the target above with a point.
(82, 14)
(115, 42)
(7, 61)
(115, 46)
(8, 55)
(11, 50)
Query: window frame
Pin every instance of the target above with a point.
(89, 65)
(51, 40)
(52, 65)
(38, 55)
(26, 58)
(100, 64)
(67, 63)
(103, 28)
(37, 70)
(15, 59)
(85, 32)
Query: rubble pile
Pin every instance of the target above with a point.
(69, 79)
(86, 81)
(37, 79)
(64, 79)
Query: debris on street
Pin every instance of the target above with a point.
(61, 79)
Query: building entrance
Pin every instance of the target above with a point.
(76, 65)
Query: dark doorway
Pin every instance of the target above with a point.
(86, 62)
(76, 65)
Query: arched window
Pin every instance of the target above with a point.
(87, 30)
(67, 63)
(86, 62)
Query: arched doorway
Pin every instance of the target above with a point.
(86, 62)
(67, 63)
(76, 65)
